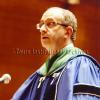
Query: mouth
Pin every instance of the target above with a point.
(45, 38)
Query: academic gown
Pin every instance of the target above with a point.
(79, 79)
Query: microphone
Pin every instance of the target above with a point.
(6, 78)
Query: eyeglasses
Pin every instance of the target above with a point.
(49, 25)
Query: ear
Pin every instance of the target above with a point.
(69, 31)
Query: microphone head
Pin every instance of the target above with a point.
(6, 78)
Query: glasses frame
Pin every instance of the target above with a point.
(39, 25)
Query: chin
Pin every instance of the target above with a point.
(46, 46)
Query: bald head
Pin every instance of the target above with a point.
(55, 13)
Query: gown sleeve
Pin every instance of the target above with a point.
(79, 80)
(24, 90)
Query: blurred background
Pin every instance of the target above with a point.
(20, 43)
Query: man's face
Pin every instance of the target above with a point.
(52, 30)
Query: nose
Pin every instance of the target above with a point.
(43, 29)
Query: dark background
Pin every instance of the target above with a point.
(20, 47)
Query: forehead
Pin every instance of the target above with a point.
(55, 14)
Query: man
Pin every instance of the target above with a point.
(68, 73)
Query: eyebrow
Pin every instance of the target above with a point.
(47, 20)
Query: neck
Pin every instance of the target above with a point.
(55, 50)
